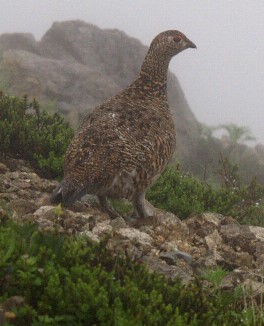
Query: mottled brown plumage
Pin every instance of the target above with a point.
(126, 142)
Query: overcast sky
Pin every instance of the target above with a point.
(222, 80)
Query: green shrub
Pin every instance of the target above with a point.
(34, 135)
(69, 281)
(184, 194)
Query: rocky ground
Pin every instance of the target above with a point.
(165, 244)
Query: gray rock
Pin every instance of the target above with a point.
(165, 244)
(172, 257)
(3, 168)
(22, 206)
(203, 224)
(213, 240)
(103, 229)
(255, 288)
(118, 223)
(136, 237)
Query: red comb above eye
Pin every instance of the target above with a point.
(177, 38)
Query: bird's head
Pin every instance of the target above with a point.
(171, 42)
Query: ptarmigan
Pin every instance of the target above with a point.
(127, 141)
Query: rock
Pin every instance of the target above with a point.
(203, 224)
(165, 244)
(172, 257)
(3, 168)
(2, 213)
(136, 237)
(233, 259)
(240, 237)
(255, 288)
(102, 229)
(169, 271)
(211, 260)
(45, 211)
(22, 206)
(257, 231)
(93, 237)
(6, 314)
(213, 240)
(230, 281)
(118, 223)
(13, 302)
(228, 220)
(2, 316)
(171, 229)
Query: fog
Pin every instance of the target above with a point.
(222, 80)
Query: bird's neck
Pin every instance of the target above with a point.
(153, 74)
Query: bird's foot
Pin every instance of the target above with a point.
(107, 207)
(142, 208)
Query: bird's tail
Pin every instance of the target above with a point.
(56, 196)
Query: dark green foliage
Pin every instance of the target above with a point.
(35, 136)
(179, 193)
(69, 281)
(184, 194)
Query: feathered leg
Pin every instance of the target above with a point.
(107, 207)
(140, 206)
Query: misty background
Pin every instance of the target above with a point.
(222, 80)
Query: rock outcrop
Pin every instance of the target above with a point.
(165, 244)
(76, 66)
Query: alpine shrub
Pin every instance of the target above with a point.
(184, 194)
(69, 281)
(27, 132)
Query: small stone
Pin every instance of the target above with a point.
(170, 271)
(10, 315)
(3, 168)
(233, 259)
(256, 288)
(228, 220)
(136, 237)
(118, 223)
(2, 315)
(159, 240)
(258, 232)
(229, 281)
(203, 224)
(102, 229)
(172, 257)
(239, 236)
(2, 213)
(43, 210)
(22, 206)
(14, 175)
(260, 261)
(213, 240)
(93, 237)
(209, 261)
(13, 302)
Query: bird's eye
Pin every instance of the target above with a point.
(177, 39)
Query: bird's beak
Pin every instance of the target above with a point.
(190, 44)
